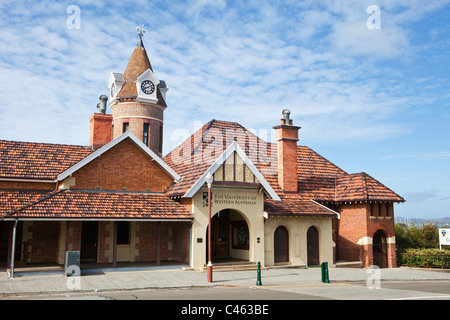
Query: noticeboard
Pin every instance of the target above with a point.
(444, 237)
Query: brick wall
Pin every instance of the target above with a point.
(124, 166)
(45, 236)
(356, 229)
(352, 226)
(136, 114)
(100, 130)
(181, 241)
(174, 241)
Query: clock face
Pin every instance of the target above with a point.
(113, 90)
(147, 87)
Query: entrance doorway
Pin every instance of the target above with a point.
(379, 249)
(229, 236)
(313, 246)
(89, 241)
(281, 245)
(220, 246)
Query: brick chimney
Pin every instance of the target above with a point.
(287, 136)
(101, 130)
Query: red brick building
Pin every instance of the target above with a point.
(118, 200)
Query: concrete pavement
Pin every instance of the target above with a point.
(178, 278)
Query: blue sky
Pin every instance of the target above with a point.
(372, 100)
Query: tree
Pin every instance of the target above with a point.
(424, 237)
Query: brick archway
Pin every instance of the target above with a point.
(380, 249)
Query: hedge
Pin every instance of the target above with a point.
(430, 258)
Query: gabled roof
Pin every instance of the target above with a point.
(319, 180)
(90, 204)
(234, 147)
(43, 161)
(99, 152)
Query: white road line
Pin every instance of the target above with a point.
(422, 298)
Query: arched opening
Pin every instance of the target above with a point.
(380, 249)
(313, 246)
(230, 237)
(281, 245)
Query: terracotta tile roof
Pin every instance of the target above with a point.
(197, 153)
(361, 186)
(11, 200)
(29, 160)
(295, 205)
(318, 178)
(102, 204)
(137, 65)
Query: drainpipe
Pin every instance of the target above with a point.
(13, 249)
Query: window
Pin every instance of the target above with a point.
(160, 138)
(145, 137)
(240, 235)
(126, 127)
(123, 232)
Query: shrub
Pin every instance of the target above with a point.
(424, 237)
(420, 257)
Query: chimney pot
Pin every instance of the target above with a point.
(101, 107)
(286, 113)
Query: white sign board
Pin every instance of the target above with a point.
(444, 237)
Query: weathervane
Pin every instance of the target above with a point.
(141, 31)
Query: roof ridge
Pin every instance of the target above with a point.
(364, 182)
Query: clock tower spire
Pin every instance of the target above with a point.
(138, 99)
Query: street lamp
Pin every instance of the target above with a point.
(209, 180)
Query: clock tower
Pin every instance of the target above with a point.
(137, 100)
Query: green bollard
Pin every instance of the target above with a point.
(258, 275)
(325, 277)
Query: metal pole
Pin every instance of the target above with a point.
(209, 268)
(13, 249)
(115, 245)
(258, 275)
(158, 243)
(66, 243)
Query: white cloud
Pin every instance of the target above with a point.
(357, 39)
(421, 196)
(242, 63)
(432, 155)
